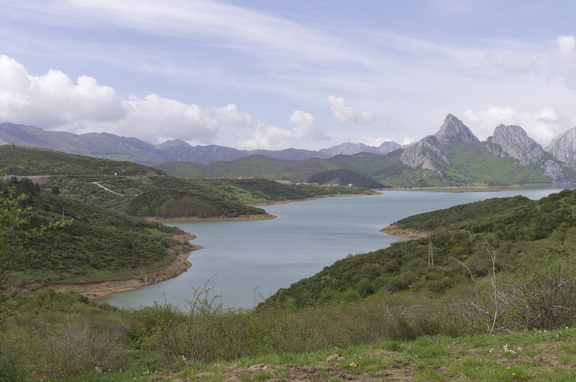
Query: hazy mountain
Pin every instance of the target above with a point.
(355, 148)
(179, 151)
(99, 145)
(110, 146)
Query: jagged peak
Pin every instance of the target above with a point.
(515, 129)
(453, 130)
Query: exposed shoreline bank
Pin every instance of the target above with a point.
(393, 230)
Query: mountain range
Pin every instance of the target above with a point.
(452, 156)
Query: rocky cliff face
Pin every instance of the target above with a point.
(512, 142)
(563, 147)
(432, 152)
(454, 131)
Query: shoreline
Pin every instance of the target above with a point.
(100, 289)
(306, 199)
(393, 230)
(214, 218)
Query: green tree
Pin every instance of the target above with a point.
(15, 230)
(12, 219)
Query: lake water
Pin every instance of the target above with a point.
(247, 261)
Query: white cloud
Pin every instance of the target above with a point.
(272, 137)
(346, 114)
(563, 63)
(306, 127)
(53, 99)
(567, 47)
(542, 125)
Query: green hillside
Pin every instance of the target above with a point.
(97, 244)
(473, 163)
(343, 177)
(252, 166)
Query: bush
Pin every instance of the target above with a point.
(10, 372)
(56, 335)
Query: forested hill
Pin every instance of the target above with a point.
(462, 245)
(96, 244)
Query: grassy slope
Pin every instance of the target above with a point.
(484, 168)
(24, 160)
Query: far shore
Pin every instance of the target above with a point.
(213, 218)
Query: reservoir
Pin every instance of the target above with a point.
(244, 262)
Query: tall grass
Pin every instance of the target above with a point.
(63, 335)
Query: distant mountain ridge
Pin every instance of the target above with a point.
(451, 156)
(436, 152)
(110, 146)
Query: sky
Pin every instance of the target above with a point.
(274, 74)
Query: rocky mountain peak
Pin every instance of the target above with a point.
(513, 142)
(563, 147)
(453, 131)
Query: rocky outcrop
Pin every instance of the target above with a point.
(555, 171)
(563, 147)
(433, 151)
(512, 142)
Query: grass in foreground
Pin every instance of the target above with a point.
(529, 356)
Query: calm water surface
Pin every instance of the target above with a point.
(247, 261)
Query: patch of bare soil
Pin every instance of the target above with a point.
(393, 230)
(323, 371)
